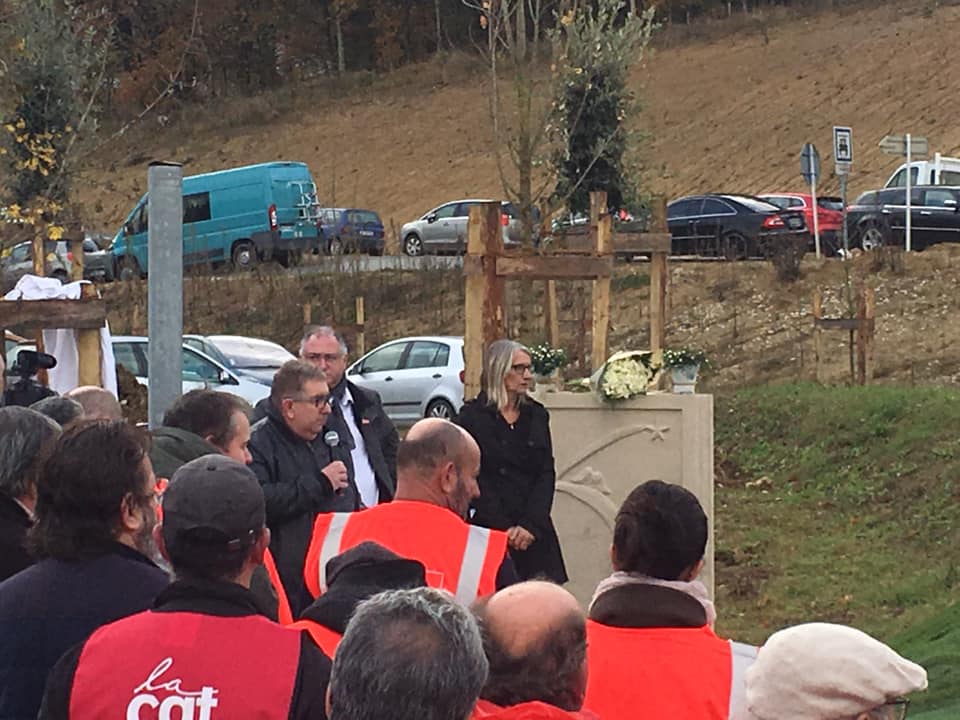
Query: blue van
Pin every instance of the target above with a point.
(243, 215)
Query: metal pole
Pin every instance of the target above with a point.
(816, 216)
(164, 287)
(909, 172)
(843, 199)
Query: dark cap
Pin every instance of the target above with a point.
(213, 502)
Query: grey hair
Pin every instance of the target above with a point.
(23, 434)
(497, 362)
(323, 331)
(62, 410)
(408, 655)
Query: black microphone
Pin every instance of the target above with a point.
(331, 438)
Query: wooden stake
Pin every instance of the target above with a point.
(552, 314)
(361, 339)
(484, 297)
(817, 334)
(307, 314)
(869, 331)
(659, 277)
(600, 223)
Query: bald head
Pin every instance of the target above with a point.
(438, 462)
(97, 403)
(535, 637)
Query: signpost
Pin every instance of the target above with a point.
(843, 159)
(810, 170)
(907, 146)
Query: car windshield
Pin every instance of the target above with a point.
(251, 352)
(831, 203)
(754, 204)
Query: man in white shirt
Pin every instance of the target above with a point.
(358, 419)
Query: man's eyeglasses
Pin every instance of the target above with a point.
(522, 368)
(317, 400)
(326, 357)
(898, 708)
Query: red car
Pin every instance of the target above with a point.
(829, 215)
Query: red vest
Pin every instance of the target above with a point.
(686, 673)
(188, 666)
(460, 558)
(325, 638)
(486, 710)
(284, 614)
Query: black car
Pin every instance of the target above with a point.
(879, 217)
(731, 226)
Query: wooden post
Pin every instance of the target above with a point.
(391, 244)
(484, 297)
(307, 314)
(817, 334)
(361, 339)
(600, 224)
(552, 317)
(39, 249)
(88, 341)
(658, 282)
(869, 302)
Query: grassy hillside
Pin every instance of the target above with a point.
(729, 111)
(840, 504)
(935, 644)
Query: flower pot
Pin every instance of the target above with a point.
(684, 379)
(546, 383)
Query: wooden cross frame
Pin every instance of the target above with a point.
(487, 266)
(861, 329)
(87, 315)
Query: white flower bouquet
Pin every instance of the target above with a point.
(625, 375)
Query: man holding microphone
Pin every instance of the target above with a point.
(300, 473)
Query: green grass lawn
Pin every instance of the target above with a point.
(841, 505)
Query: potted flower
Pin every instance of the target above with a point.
(684, 364)
(547, 360)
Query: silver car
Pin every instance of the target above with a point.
(251, 357)
(444, 229)
(416, 377)
(97, 263)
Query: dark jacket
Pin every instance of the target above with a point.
(517, 480)
(379, 435)
(55, 604)
(172, 447)
(221, 599)
(14, 523)
(295, 489)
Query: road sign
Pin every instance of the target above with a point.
(897, 145)
(843, 149)
(810, 164)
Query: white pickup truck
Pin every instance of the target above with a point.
(939, 171)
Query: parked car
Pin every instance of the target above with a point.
(444, 229)
(879, 217)
(97, 263)
(241, 215)
(729, 225)
(829, 215)
(249, 357)
(199, 370)
(416, 377)
(348, 230)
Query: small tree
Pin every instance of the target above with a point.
(592, 103)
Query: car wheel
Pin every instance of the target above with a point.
(733, 246)
(130, 269)
(335, 246)
(872, 236)
(413, 245)
(439, 408)
(244, 255)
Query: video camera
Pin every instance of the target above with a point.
(26, 391)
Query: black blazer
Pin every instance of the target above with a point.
(517, 480)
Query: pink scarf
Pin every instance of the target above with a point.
(693, 588)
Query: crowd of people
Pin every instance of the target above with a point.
(300, 560)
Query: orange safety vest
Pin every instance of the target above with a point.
(460, 558)
(325, 638)
(284, 614)
(687, 673)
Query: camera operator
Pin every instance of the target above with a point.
(26, 391)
